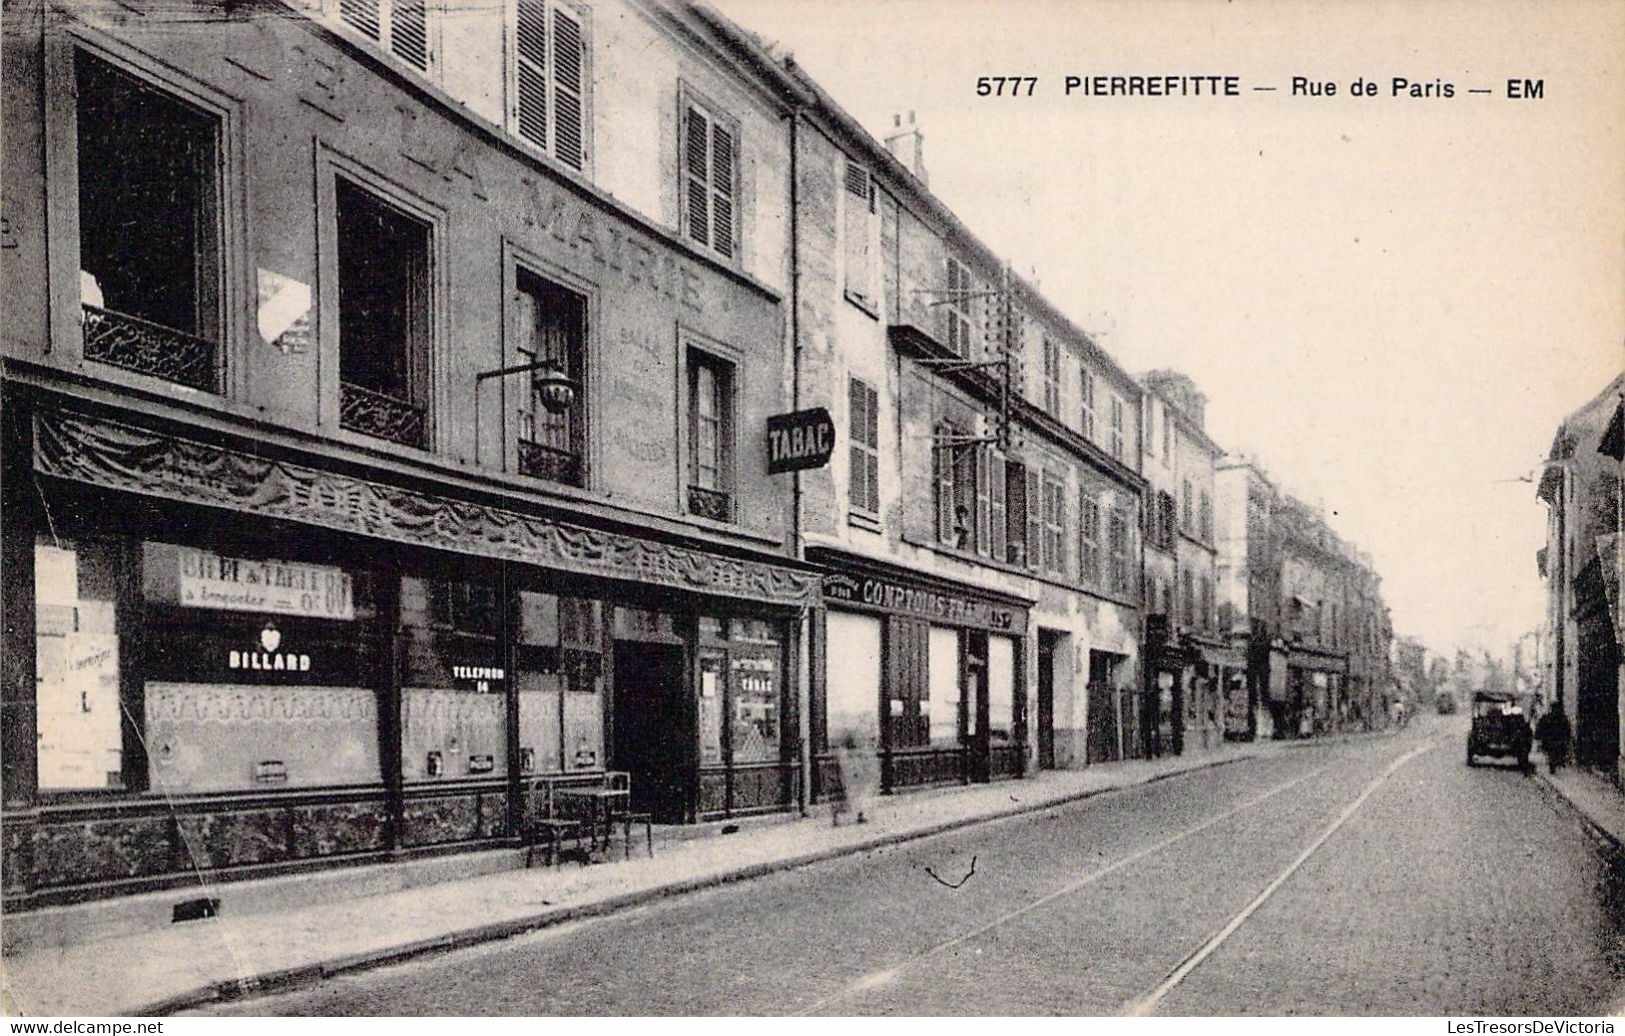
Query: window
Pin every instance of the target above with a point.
(1167, 435)
(710, 176)
(1187, 599)
(859, 227)
(864, 477)
(149, 228)
(1188, 522)
(1207, 602)
(1165, 520)
(964, 499)
(1086, 393)
(1088, 538)
(383, 269)
(957, 308)
(1117, 427)
(1015, 513)
(1052, 378)
(942, 686)
(399, 26)
(454, 716)
(552, 328)
(1207, 516)
(710, 436)
(549, 76)
(1120, 575)
(561, 681)
(1054, 519)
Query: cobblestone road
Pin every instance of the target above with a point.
(1448, 890)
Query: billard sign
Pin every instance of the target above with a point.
(799, 440)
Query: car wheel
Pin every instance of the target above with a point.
(1470, 758)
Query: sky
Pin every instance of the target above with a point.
(1391, 301)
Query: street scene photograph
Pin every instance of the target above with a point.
(631, 509)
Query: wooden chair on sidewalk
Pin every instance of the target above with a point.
(620, 780)
(547, 827)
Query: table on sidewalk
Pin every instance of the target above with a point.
(602, 808)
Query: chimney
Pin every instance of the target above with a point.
(908, 146)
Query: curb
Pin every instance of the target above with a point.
(1599, 834)
(306, 974)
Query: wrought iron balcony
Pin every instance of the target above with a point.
(148, 348)
(708, 503)
(384, 416)
(550, 463)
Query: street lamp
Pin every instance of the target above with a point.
(554, 388)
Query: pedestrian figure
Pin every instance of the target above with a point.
(1522, 740)
(860, 775)
(1553, 732)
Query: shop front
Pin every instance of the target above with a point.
(245, 663)
(1314, 691)
(928, 675)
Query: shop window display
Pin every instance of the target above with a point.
(1001, 694)
(755, 651)
(81, 736)
(453, 695)
(559, 674)
(255, 672)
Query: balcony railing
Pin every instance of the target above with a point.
(384, 416)
(708, 503)
(549, 462)
(148, 348)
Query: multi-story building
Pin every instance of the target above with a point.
(382, 431)
(1308, 606)
(979, 529)
(1580, 563)
(1192, 669)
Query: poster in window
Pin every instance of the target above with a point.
(80, 734)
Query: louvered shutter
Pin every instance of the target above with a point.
(943, 455)
(872, 437)
(722, 187)
(997, 521)
(697, 174)
(364, 16)
(530, 58)
(983, 499)
(863, 477)
(1035, 518)
(1015, 504)
(569, 141)
(859, 204)
(1062, 565)
(409, 32)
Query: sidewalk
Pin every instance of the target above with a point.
(182, 965)
(1593, 796)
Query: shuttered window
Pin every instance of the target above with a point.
(865, 448)
(858, 233)
(1015, 502)
(550, 79)
(1035, 518)
(1054, 520)
(957, 308)
(399, 26)
(710, 156)
(1086, 392)
(1117, 427)
(1120, 575)
(1052, 378)
(1088, 538)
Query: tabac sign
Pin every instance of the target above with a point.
(799, 440)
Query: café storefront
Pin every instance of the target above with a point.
(928, 674)
(246, 662)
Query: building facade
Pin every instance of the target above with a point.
(1580, 564)
(393, 452)
(1193, 672)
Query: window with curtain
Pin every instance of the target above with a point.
(710, 430)
(552, 328)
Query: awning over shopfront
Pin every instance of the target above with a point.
(118, 456)
(1223, 657)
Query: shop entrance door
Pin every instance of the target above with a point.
(1047, 641)
(653, 728)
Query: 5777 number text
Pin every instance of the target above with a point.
(1006, 86)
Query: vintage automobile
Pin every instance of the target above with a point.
(1499, 729)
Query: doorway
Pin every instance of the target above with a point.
(654, 731)
(1048, 641)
